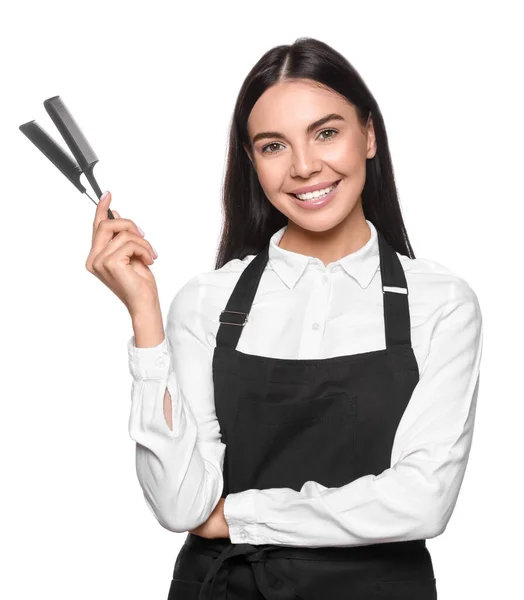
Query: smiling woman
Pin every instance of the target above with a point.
(302, 148)
(308, 416)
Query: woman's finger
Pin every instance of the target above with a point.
(101, 210)
(108, 229)
(120, 239)
(127, 250)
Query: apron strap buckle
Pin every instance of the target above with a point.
(392, 288)
(235, 312)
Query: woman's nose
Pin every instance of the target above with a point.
(304, 163)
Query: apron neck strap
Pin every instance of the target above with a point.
(394, 288)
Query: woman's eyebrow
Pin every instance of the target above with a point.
(309, 129)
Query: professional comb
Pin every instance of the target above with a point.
(68, 128)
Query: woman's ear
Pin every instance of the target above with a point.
(371, 138)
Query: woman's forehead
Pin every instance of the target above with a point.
(296, 104)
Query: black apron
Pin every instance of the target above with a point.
(288, 421)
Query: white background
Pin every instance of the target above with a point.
(153, 87)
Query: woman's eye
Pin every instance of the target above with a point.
(330, 137)
(268, 146)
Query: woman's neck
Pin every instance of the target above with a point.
(330, 245)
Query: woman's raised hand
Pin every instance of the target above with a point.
(120, 258)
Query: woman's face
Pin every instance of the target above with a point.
(292, 157)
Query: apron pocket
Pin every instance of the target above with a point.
(181, 589)
(413, 589)
(279, 442)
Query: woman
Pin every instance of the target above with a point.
(307, 414)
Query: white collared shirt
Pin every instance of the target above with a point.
(304, 309)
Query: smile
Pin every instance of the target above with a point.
(316, 199)
(317, 193)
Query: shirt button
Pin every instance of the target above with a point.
(315, 326)
(242, 535)
(161, 362)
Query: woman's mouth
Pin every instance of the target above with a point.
(316, 199)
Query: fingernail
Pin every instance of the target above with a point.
(103, 196)
(155, 252)
(140, 231)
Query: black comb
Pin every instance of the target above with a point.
(76, 141)
(55, 153)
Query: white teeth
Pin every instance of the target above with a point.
(316, 193)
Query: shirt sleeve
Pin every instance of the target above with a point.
(179, 470)
(415, 497)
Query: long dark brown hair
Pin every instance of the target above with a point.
(249, 219)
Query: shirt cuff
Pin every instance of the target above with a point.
(240, 515)
(148, 363)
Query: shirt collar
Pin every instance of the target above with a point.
(289, 266)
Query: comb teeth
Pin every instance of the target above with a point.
(71, 132)
(47, 145)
